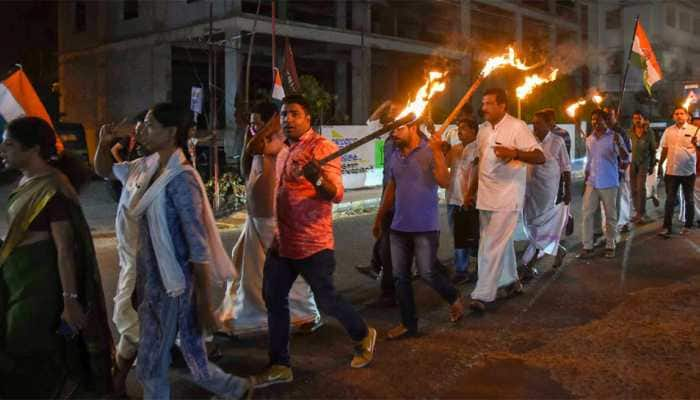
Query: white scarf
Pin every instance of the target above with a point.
(152, 204)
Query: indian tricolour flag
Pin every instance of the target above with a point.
(277, 89)
(18, 99)
(642, 52)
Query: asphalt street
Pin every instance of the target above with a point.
(625, 327)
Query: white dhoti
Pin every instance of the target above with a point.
(544, 231)
(243, 311)
(624, 200)
(497, 263)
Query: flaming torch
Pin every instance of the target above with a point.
(413, 110)
(691, 99)
(491, 65)
(597, 99)
(531, 82)
(571, 112)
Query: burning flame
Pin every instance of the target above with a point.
(571, 110)
(532, 81)
(435, 84)
(597, 98)
(691, 99)
(494, 63)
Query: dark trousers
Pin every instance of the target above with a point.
(381, 256)
(687, 184)
(278, 276)
(423, 246)
(638, 187)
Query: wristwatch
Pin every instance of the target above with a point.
(319, 181)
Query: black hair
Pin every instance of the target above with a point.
(544, 115)
(265, 109)
(169, 115)
(548, 114)
(298, 99)
(36, 132)
(638, 112)
(679, 108)
(501, 97)
(601, 114)
(139, 117)
(694, 119)
(470, 122)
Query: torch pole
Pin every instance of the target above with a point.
(379, 132)
(519, 108)
(459, 105)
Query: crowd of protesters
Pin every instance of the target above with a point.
(54, 334)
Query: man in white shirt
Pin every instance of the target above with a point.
(545, 220)
(504, 148)
(678, 146)
(463, 222)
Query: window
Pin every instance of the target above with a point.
(80, 17)
(131, 9)
(684, 21)
(615, 62)
(613, 19)
(671, 16)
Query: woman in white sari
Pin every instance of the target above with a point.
(243, 311)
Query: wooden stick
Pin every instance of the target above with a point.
(459, 105)
(379, 132)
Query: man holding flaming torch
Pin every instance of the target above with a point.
(417, 168)
(304, 244)
(505, 146)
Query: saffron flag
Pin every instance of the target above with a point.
(277, 89)
(18, 99)
(642, 52)
(289, 69)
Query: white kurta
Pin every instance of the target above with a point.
(134, 177)
(500, 198)
(243, 311)
(544, 219)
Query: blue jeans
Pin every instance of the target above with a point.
(461, 254)
(278, 276)
(218, 382)
(423, 246)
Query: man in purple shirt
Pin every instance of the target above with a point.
(604, 148)
(417, 167)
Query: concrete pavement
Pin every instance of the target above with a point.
(625, 327)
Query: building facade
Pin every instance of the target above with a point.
(673, 28)
(118, 57)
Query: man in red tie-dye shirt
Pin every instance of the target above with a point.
(304, 244)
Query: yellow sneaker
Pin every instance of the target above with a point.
(364, 350)
(273, 375)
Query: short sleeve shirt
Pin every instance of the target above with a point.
(681, 157)
(305, 220)
(416, 199)
(502, 183)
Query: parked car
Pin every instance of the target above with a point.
(72, 135)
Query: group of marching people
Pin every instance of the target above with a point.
(499, 173)
(55, 339)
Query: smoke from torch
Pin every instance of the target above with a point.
(532, 81)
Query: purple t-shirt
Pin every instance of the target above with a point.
(416, 201)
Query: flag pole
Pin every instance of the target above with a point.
(274, 51)
(627, 66)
